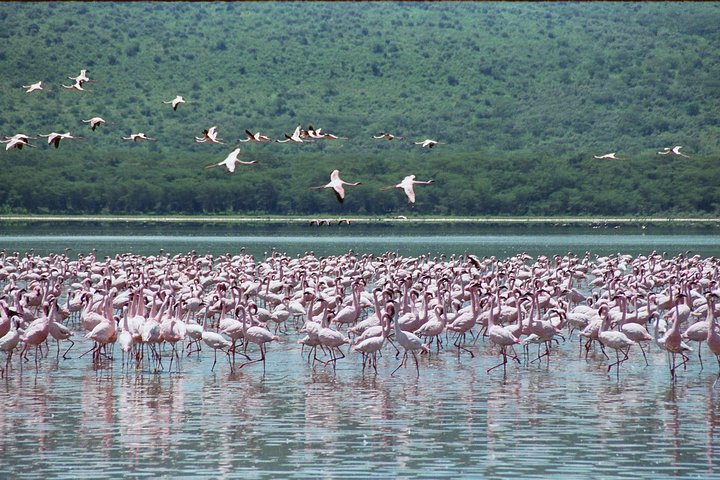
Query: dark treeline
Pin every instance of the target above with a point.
(524, 94)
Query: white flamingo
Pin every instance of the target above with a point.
(209, 136)
(407, 185)
(607, 156)
(135, 137)
(254, 137)
(337, 184)
(427, 143)
(231, 161)
(387, 136)
(674, 150)
(175, 102)
(33, 87)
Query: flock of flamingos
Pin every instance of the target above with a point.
(211, 136)
(148, 313)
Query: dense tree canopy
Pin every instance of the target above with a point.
(523, 94)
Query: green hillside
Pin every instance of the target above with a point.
(523, 94)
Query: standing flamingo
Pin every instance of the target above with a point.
(257, 335)
(409, 341)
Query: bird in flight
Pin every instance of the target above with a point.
(54, 138)
(231, 161)
(33, 87)
(296, 137)
(76, 86)
(674, 150)
(337, 184)
(18, 141)
(387, 136)
(138, 136)
(175, 102)
(94, 122)
(255, 137)
(82, 77)
(607, 156)
(427, 143)
(407, 185)
(209, 136)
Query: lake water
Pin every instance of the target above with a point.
(565, 418)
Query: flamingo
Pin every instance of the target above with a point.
(500, 336)
(138, 136)
(175, 102)
(82, 77)
(672, 340)
(9, 341)
(713, 337)
(614, 339)
(54, 138)
(216, 342)
(371, 345)
(94, 122)
(407, 185)
(295, 137)
(231, 161)
(17, 141)
(607, 156)
(674, 150)
(33, 87)
(427, 143)
(210, 135)
(76, 86)
(257, 335)
(409, 341)
(337, 184)
(255, 137)
(387, 136)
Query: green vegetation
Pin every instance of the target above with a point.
(524, 94)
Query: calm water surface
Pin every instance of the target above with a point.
(566, 418)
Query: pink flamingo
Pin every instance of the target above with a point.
(54, 138)
(255, 137)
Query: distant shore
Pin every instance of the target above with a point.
(353, 219)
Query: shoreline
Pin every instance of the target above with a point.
(360, 220)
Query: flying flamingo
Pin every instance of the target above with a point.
(407, 185)
(175, 102)
(33, 87)
(231, 161)
(295, 137)
(337, 184)
(76, 86)
(82, 77)
(674, 150)
(54, 138)
(17, 141)
(94, 122)
(427, 143)
(607, 156)
(387, 136)
(138, 136)
(255, 137)
(318, 133)
(210, 135)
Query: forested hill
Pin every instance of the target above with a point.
(522, 94)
